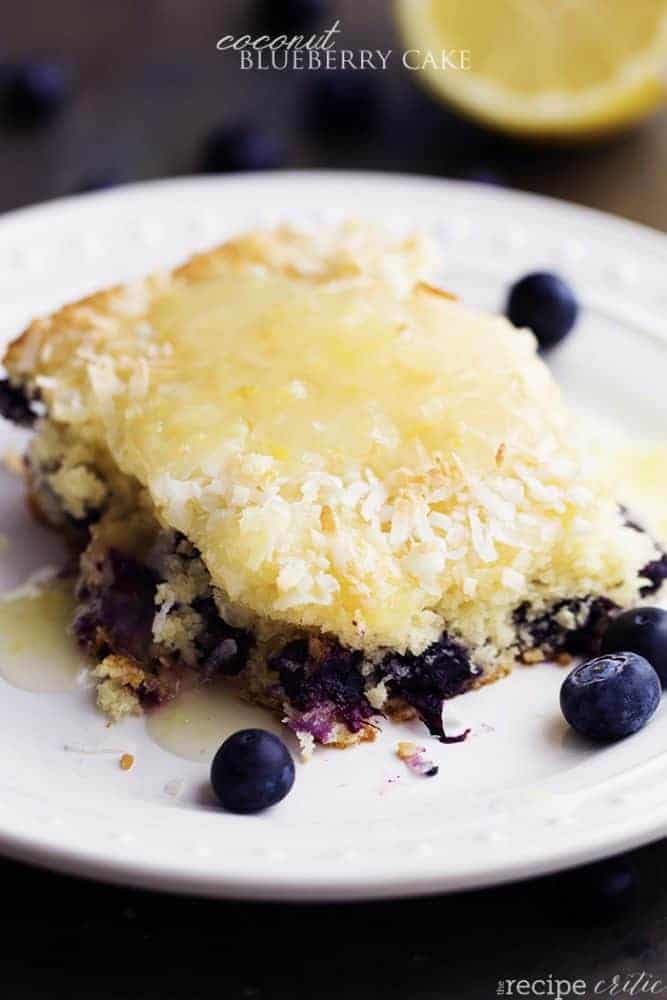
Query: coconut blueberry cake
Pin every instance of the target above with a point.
(296, 463)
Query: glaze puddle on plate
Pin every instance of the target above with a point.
(637, 465)
(641, 469)
(37, 652)
(195, 724)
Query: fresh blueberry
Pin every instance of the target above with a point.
(251, 771)
(240, 147)
(484, 175)
(343, 103)
(100, 180)
(642, 631)
(15, 404)
(611, 696)
(544, 303)
(292, 15)
(35, 91)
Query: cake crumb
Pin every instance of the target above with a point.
(174, 787)
(126, 761)
(563, 659)
(412, 755)
(530, 656)
(13, 462)
(500, 454)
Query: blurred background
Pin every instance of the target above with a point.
(95, 94)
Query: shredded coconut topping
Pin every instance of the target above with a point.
(350, 449)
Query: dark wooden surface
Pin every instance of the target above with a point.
(150, 85)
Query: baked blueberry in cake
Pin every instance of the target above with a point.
(298, 464)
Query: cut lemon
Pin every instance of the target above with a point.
(561, 68)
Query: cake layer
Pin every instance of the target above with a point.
(351, 451)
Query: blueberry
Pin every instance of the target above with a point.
(15, 404)
(642, 631)
(251, 771)
(544, 303)
(100, 180)
(343, 102)
(611, 696)
(240, 147)
(281, 16)
(34, 91)
(484, 175)
(596, 893)
(617, 883)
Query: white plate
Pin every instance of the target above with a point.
(522, 795)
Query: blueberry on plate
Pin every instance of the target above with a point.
(546, 304)
(642, 631)
(251, 771)
(611, 696)
(240, 147)
(34, 91)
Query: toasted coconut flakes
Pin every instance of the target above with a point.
(377, 696)
(400, 528)
(512, 580)
(327, 519)
(298, 389)
(481, 540)
(140, 380)
(306, 744)
(440, 521)
(424, 286)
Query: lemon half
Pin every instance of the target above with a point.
(560, 68)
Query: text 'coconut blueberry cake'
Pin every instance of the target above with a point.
(296, 463)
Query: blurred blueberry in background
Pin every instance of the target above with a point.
(597, 893)
(343, 104)
(99, 180)
(34, 91)
(241, 147)
(484, 175)
(279, 16)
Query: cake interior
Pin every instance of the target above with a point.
(154, 623)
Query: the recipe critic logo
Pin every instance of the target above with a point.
(320, 52)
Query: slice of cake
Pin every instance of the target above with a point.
(296, 463)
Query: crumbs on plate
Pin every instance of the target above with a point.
(413, 756)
